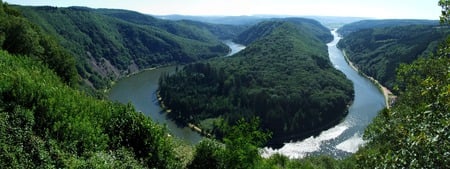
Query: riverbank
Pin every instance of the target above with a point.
(389, 97)
(192, 126)
(113, 82)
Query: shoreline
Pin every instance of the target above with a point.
(192, 126)
(121, 77)
(389, 97)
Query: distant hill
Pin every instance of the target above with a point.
(367, 24)
(191, 29)
(284, 77)
(378, 52)
(329, 21)
(229, 20)
(266, 28)
(112, 43)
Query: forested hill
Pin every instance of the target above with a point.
(265, 28)
(378, 52)
(369, 24)
(285, 78)
(184, 28)
(107, 47)
(44, 123)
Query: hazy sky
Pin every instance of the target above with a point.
(401, 9)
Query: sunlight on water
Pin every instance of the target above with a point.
(352, 144)
(344, 138)
(311, 144)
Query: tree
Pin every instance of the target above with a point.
(207, 155)
(445, 15)
(413, 133)
(242, 142)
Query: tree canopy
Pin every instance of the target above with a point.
(108, 44)
(283, 77)
(378, 52)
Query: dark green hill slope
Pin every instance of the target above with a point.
(369, 24)
(185, 28)
(46, 124)
(107, 47)
(265, 28)
(19, 36)
(285, 78)
(379, 52)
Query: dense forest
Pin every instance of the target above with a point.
(383, 23)
(19, 36)
(284, 77)
(46, 122)
(108, 44)
(378, 52)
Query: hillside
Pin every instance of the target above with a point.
(19, 36)
(107, 47)
(229, 20)
(369, 24)
(328, 21)
(284, 77)
(378, 52)
(44, 123)
(265, 28)
(185, 28)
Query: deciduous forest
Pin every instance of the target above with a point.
(284, 77)
(282, 83)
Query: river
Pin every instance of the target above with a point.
(346, 137)
(338, 141)
(140, 90)
(235, 48)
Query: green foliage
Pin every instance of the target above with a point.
(242, 143)
(278, 161)
(371, 24)
(108, 44)
(413, 134)
(379, 52)
(200, 31)
(284, 78)
(240, 148)
(208, 154)
(445, 12)
(265, 28)
(19, 36)
(46, 124)
(148, 141)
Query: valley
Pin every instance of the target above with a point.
(84, 87)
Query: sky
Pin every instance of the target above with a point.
(380, 9)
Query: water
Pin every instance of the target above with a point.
(235, 48)
(339, 141)
(140, 90)
(346, 137)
